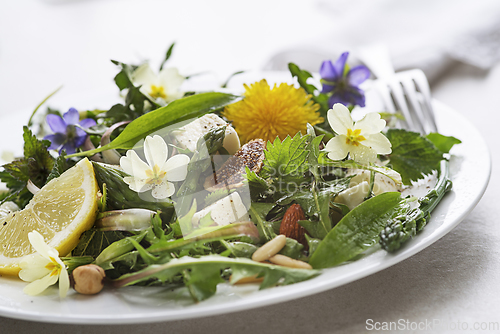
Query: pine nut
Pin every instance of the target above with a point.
(249, 279)
(286, 261)
(269, 249)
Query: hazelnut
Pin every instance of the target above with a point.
(88, 279)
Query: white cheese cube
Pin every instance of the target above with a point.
(188, 135)
(225, 211)
(382, 183)
(353, 196)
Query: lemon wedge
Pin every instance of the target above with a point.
(61, 211)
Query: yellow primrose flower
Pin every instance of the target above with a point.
(163, 87)
(44, 268)
(362, 140)
(157, 173)
(269, 113)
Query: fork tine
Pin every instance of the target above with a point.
(418, 118)
(398, 95)
(385, 94)
(423, 86)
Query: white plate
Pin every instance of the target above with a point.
(470, 171)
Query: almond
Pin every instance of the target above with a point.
(290, 226)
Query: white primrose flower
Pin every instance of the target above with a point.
(163, 87)
(362, 140)
(44, 268)
(157, 172)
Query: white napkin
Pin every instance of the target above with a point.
(427, 34)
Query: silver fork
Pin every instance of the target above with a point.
(406, 91)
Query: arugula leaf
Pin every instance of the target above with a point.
(412, 155)
(92, 242)
(443, 143)
(176, 111)
(195, 273)
(357, 231)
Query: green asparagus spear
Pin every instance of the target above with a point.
(404, 227)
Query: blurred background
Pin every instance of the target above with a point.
(45, 44)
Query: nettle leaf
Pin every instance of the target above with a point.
(443, 143)
(60, 166)
(36, 166)
(176, 111)
(412, 155)
(204, 273)
(287, 157)
(258, 186)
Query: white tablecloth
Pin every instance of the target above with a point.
(44, 44)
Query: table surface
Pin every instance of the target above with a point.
(45, 44)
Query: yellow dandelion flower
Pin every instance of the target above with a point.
(269, 113)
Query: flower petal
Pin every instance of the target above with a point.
(33, 267)
(133, 165)
(87, 123)
(56, 140)
(163, 190)
(379, 143)
(69, 147)
(370, 124)
(327, 71)
(363, 154)
(56, 123)
(137, 185)
(340, 119)
(339, 65)
(176, 167)
(327, 89)
(38, 243)
(38, 286)
(155, 150)
(144, 75)
(358, 75)
(337, 148)
(63, 282)
(170, 79)
(71, 116)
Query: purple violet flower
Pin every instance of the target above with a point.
(342, 83)
(67, 135)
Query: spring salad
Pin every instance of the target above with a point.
(191, 189)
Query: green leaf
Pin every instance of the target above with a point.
(60, 166)
(197, 268)
(443, 143)
(167, 55)
(292, 249)
(36, 166)
(357, 231)
(176, 111)
(412, 155)
(287, 157)
(257, 185)
(92, 242)
(302, 77)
